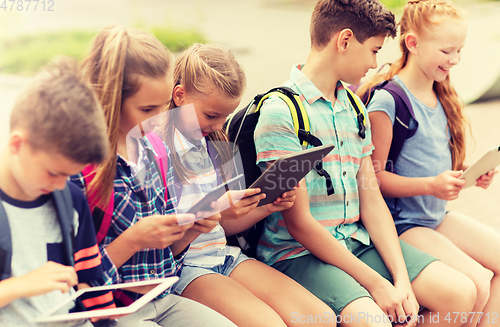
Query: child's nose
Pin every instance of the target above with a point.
(218, 125)
(455, 59)
(157, 120)
(60, 182)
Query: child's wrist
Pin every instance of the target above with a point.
(132, 239)
(17, 288)
(429, 185)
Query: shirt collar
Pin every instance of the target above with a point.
(182, 145)
(142, 145)
(307, 88)
(310, 92)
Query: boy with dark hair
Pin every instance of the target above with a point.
(47, 238)
(344, 247)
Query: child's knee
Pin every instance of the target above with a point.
(482, 280)
(464, 296)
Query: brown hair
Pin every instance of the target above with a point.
(61, 113)
(118, 57)
(200, 69)
(366, 19)
(420, 17)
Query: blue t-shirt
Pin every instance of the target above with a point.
(426, 154)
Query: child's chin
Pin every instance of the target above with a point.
(198, 135)
(353, 81)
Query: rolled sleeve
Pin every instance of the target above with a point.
(274, 134)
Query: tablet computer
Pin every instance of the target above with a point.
(284, 174)
(214, 195)
(52, 316)
(489, 161)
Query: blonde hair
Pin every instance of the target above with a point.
(421, 17)
(117, 58)
(61, 114)
(200, 69)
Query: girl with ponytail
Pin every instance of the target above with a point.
(131, 72)
(426, 173)
(208, 85)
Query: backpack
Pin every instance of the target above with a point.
(240, 130)
(64, 208)
(401, 128)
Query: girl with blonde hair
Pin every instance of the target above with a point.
(426, 174)
(208, 85)
(131, 72)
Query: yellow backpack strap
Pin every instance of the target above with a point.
(360, 112)
(297, 110)
(301, 126)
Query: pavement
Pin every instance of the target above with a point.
(268, 37)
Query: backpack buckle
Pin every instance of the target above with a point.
(303, 134)
(361, 126)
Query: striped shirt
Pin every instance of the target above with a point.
(209, 249)
(137, 198)
(333, 123)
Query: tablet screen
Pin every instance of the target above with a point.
(53, 315)
(215, 194)
(285, 173)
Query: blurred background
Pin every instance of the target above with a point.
(267, 37)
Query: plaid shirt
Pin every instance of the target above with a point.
(136, 198)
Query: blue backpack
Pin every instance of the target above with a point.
(64, 208)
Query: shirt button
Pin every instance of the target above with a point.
(344, 173)
(152, 272)
(341, 143)
(347, 203)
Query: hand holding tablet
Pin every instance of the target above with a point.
(489, 161)
(286, 172)
(203, 208)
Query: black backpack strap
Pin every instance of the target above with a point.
(64, 208)
(5, 245)
(360, 117)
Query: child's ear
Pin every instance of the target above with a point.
(345, 37)
(179, 95)
(411, 43)
(16, 140)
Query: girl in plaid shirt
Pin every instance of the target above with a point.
(132, 75)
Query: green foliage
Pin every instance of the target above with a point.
(26, 54)
(178, 40)
(394, 4)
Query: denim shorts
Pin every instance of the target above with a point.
(190, 273)
(401, 228)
